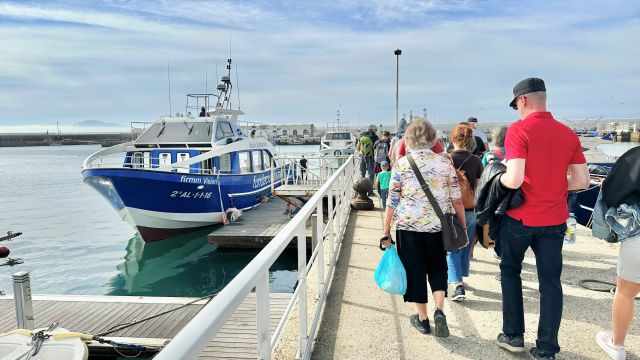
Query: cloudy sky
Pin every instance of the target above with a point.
(299, 61)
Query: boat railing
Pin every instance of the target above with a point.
(112, 158)
(151, 164)
(317, 171)
(326, 239)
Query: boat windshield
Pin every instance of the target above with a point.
(338, 136)
(176, 132)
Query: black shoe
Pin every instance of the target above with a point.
(536, 354)
(459, 294)
(511, 343)
(422, 326)
(442, 330)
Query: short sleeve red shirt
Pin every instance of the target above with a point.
(548, 147)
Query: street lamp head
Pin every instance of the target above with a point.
(397, 52)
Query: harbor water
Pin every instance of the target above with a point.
(616, 149)
(75, 243)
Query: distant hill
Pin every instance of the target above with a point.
(95, 123)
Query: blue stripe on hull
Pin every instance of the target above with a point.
(177, 192)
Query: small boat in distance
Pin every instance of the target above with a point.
(185, 172)
(337, 140)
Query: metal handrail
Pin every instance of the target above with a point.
(204, 326)
(319, 169)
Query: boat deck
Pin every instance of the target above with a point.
(255, 228)
(95, 314)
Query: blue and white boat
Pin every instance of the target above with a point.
(185, 172)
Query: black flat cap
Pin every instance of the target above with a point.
(526, 86)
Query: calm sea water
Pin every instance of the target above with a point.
(616, 149)
(75, 243)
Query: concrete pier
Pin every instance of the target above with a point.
(363, 322)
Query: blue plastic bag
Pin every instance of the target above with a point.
(390, 275)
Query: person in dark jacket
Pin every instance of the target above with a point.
(303, 168)
(493, 200)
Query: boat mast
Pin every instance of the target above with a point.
(225, 89)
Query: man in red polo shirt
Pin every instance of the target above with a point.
(544, 160)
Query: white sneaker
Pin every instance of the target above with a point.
(604, 339)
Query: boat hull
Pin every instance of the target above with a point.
(583, 202)
(160, 204)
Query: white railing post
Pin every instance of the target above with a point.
(303, 336)
(263, 322)
(335, 217)
(330, 219)
(273, 176)
(337, 192)
(317, 233)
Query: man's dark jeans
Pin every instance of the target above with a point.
(546, 241)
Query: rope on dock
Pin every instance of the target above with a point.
(119, 327)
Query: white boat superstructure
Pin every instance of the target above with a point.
(338, 143)
(338, 140)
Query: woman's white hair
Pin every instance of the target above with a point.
(420, 135)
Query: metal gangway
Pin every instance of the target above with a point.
(327, 235)
(297, 180)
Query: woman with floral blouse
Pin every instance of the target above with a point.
(417, 227)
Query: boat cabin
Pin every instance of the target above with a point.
(177, 139)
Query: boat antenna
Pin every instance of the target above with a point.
(238, 86)
(169, 81)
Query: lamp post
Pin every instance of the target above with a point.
(397, 53)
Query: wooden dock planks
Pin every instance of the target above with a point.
(95, 314)
(255, 228)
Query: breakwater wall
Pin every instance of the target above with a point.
(104, 139)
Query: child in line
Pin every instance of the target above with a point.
(382, 183)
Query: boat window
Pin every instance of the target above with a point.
(245, 162)
(227, 131)
(182, 159)
(225, 162)
(147, 159)
(206, 167)
(338, 136)
(219, 133)
(165, 160)
(138, 160)
(256, 157)
(266, 160)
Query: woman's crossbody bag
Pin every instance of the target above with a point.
(454, 235)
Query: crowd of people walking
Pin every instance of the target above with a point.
(523, 178)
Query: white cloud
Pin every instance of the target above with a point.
(297, 69)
